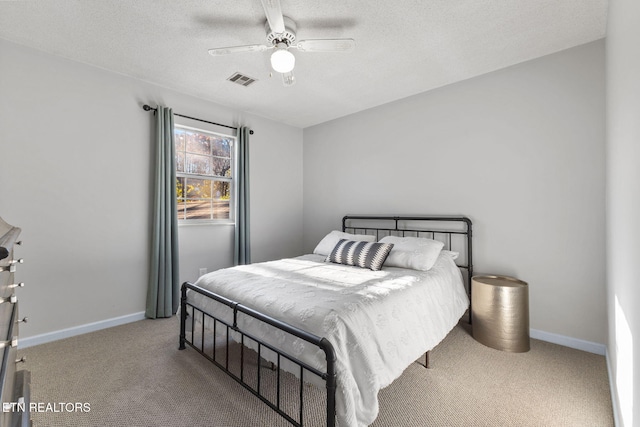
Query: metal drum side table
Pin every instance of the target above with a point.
(500, 312)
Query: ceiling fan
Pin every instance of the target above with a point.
(281, 36)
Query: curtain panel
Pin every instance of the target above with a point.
(242, 245)
(164, 286)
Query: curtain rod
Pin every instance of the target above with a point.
(146, 107)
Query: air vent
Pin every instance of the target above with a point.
(241, 79)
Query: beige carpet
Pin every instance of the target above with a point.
(134, 375)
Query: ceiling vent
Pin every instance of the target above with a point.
(241, 79)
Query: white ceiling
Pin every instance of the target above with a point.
(403, 47)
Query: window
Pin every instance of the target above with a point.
(204, 175)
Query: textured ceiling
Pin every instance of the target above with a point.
(403, 47)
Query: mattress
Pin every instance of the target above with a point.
(379, 322)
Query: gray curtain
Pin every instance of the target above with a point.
(242, 247)
(164, 286)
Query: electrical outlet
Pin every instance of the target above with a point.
(203, 271)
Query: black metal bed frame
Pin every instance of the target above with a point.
(400, 228)
(329, 376)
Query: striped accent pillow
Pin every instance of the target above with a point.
(369, 255)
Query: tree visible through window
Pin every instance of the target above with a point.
(204, 174)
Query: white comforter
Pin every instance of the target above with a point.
(379, 322)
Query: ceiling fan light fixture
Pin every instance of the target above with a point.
(282, 60)
(281, 37)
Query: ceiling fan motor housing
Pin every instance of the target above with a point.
(289, 35)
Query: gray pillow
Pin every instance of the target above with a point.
(369, 255)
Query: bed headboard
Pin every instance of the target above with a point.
(454, 231)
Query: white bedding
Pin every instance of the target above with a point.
(379, 322)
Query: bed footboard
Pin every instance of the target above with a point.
(197, 342)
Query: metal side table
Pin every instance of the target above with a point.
(500, 312)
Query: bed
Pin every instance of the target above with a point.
(304, 322)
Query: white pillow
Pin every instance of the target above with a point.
(416, 253)
(330, 241)
(452, 254)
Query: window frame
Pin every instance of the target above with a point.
(231, 180)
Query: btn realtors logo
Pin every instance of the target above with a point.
(21, 406)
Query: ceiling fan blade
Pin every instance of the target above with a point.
(273, 11)
(326, 45)
(238, 49)
(288, 79)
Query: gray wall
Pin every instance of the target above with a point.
(519, 150)
(623, 207)
(75, 172)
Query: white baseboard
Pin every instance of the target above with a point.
(79, 330)
(576, 343)
(614, 394)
